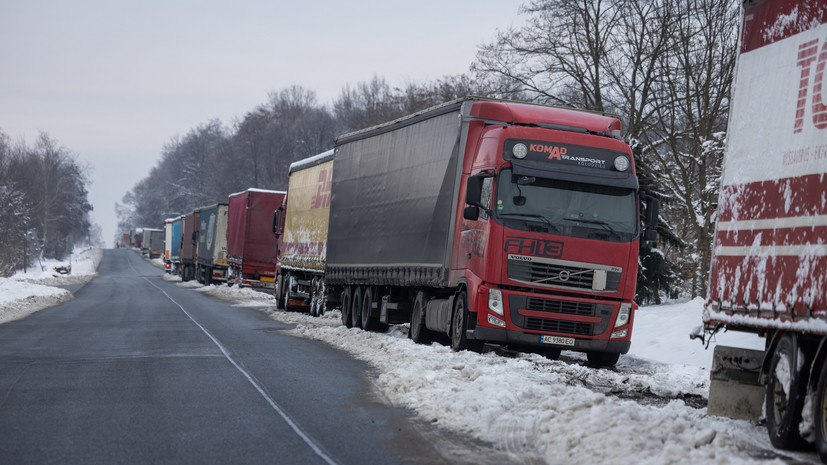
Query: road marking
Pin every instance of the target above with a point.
(296, 428)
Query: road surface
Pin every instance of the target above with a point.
(138, 370)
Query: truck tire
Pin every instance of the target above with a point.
(313, 298)
(418, 332)
(356, 307)
(321, 295)
(820, 415)
(285, 293)
(602, 359)
(371, 323)
(785, 394)
(346, 307)
(318, 300)
(459, 326)
(367, 303)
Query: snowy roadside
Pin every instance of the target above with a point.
(35, 289)
(543, 411)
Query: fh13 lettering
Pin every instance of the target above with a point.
(536, 247)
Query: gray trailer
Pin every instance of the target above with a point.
(211, 262)
(189, 245)
(399, 207)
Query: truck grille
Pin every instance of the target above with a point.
(555, 274)
(558, 307)
(558, 326)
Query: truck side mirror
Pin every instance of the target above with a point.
(277, 221)
(194, 237)
(471, 212)
(473, 190)
(652, 211)
(650, 234)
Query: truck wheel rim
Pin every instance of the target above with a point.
(459, 323)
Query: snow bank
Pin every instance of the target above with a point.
(33, 290)
(544, 411)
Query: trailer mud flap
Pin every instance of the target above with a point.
(735, 389)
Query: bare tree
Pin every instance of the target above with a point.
(664, 66)
(692, 109)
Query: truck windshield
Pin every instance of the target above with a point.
(563, 207)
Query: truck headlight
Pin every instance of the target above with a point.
(519, 151)
(495, 301)
(495, 321)
(620, 334)
(621, 163)
(623, 314)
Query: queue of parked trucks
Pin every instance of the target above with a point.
(481, 220)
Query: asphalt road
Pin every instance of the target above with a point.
(138, 370)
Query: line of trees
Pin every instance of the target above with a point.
(664, 66)
(44, 202)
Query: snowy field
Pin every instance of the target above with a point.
(35, 289)
(649, 410)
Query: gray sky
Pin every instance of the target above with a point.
(114, 81)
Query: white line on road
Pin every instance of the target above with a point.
(296, 428)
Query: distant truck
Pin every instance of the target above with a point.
(489, 221)
(172, 245)
(156, 242)
(125, 240)
(211, 262)
(152, 242)
(769, 267)
(189, 245)
(301, 225)
(251, 246)
(137, 238)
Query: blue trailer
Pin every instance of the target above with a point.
(173, 244)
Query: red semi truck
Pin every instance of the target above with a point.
(251, 247)
(769, 266)
(489, 221)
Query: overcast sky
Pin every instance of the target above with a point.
(114, 81)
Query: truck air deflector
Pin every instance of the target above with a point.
(605, 178)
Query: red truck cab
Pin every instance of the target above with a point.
(549, 241)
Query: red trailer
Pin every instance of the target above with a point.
(769, 268)
(251, 246)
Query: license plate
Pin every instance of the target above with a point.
(560, 341)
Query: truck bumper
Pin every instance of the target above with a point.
(502, 336)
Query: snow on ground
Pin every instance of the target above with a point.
(34, 289)
(535, 409)
(544, 411)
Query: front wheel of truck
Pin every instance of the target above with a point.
(459, 326)
(602, 359)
